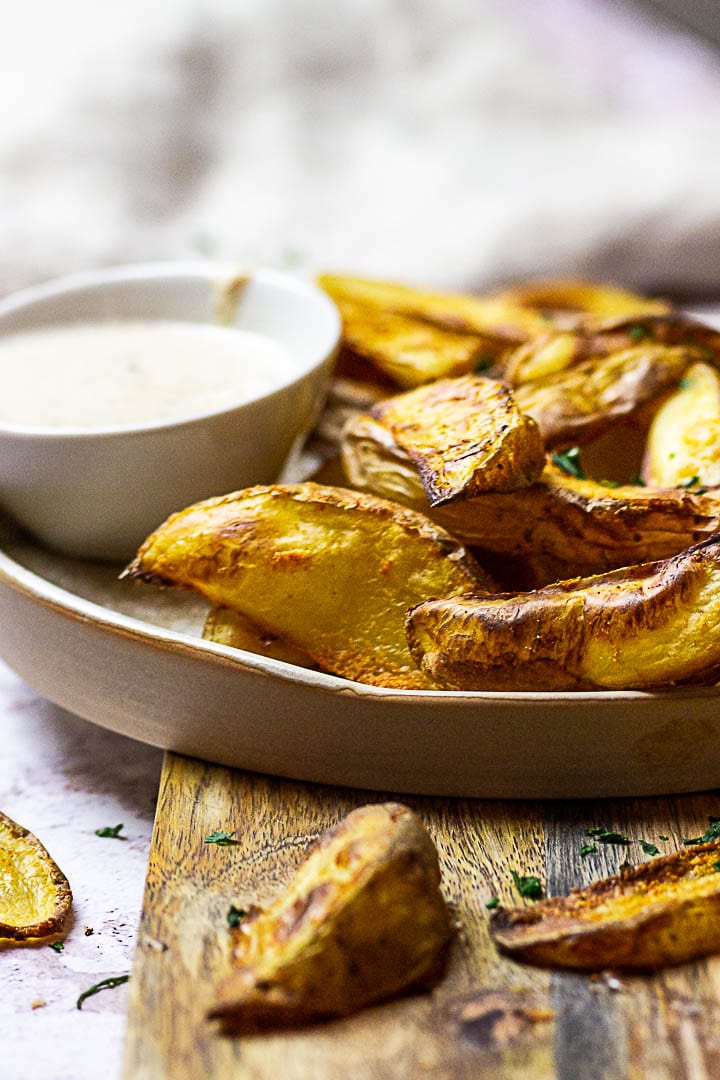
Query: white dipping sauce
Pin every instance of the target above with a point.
(119, 374)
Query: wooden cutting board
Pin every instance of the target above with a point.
(489, 1017)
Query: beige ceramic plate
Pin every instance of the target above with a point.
(129, 658)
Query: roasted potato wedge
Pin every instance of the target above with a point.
(683, 443)
(663, 912)
(563, 296)
(635, 627)
(362, 920)
(464, 436)
(564, 524)
(35, 896)
(227, 627)
(331, 572)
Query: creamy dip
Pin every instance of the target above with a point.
(119, 374)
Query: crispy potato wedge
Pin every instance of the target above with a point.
(683, 443)
(227, 627)
(576, 405)
(635, 627)
(331, 572)
(663, 912)
(362, 920)
(35, 896)
(566, 525)
(561, 296)
(465, 436)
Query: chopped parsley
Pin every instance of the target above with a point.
(58, 946)
(637, 480)
(648, 848)
(222, 839)
(625, 864)
(482, 363)
(588, 849)
(493, 902)
(604, 836)
(104, 984)
(610, 483)
(528, 886)
(685, 383)
(569, 462)
(663, 837)
(637, 333)
(690, 483)
(711, 833)
(235, 916)
(111, 833)
(716, 864)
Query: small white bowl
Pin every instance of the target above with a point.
(98, 493)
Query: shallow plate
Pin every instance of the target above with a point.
(129, 657)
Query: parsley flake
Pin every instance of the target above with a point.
(569, 462)
(685, 383)
(648, 848)
(58, 946)
(690, 483)
(663, 837)
(604, 836)
(637, 480)
(711, 833)
(104, 984)
(493, 902)
(222, 839)
(235, 916)
(588, 849)
(637, 333)
(482, 363)
(111, 833)
(528, 886)
(716, 864)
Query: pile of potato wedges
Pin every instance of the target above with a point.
(529, 500)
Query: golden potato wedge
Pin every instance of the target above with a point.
(683, 443)
(575, 405)
(635, 627)
(663, 912)
(331, 572)
(35, 896)
(227, 627)
(362, 920)
(566, 525)
(560, 296)
(464, 436)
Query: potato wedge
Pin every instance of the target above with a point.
(663, 912)
(635, 627)
(567, 525)
(362, 920)
(683, 443)
(331, 572)
(227, 627)
(35, 896)
(465, 436)
(561, 296)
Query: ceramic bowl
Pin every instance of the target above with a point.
(97, 493)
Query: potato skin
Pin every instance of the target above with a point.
(362, 920)
(636, 627)
(36, 898)
(659, 913)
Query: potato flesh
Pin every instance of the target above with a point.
(635, 627)
(659, 913)
(465, 436)
(331, 572)
(35, 897)
(571, 295)
(683, 443)
(226, 627)
(362, 919)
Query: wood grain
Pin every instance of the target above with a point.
(489, 1016)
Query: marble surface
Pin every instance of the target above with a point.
(63, 778)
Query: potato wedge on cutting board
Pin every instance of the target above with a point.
(465, 436)
(331, 572)
(662, 912)
(362, 920)
(635, 627)
(35, 896)
(683, 444)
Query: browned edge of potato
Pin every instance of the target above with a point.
(362, 920)
(662, 912)
(683, 442)
(36, 896)
(227, 627)
(639, 626)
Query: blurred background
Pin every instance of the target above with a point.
(458, 143)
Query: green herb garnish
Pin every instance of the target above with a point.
(569, 462)
(711, 833)
(588, 849)
(637, 480)
(104, 984)
(685, 383)
(528, 886)
(604, 836)
(648, 848)
(222, 839)
(493, 902)
(663, 837)
(482, 363)
(610, 483)
(637, 333)
(716, 864)
(235, 916)
(111, 833)
(58, 946)
(625, 864)
(690, 483)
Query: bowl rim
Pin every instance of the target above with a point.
(211, 272)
